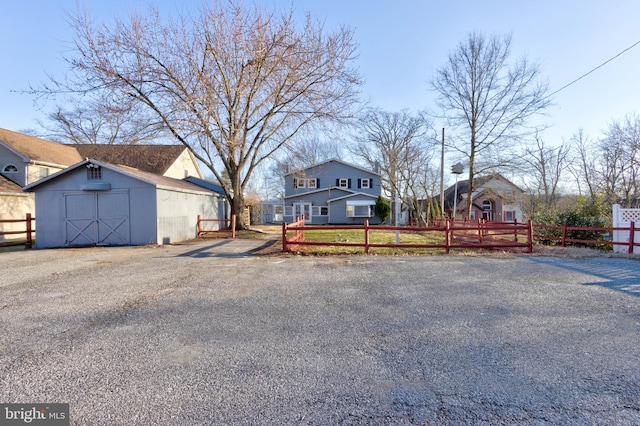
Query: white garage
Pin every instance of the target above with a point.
(93, 203)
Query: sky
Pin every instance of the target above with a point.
(401, 44)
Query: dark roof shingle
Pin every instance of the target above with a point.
(40, 150)
(148, 158)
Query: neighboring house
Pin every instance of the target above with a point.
(14, 204)
(25, 159)
(495, 198)
(271, 211)
(96, 203)
(332, 192)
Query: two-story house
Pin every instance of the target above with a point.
(331, 192)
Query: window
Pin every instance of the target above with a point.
(356, 210)
(509, 216)
(302, 183)
(43, 172)
(10, 168)
(320, 210)
(312, 183)
(365, 183)
(94, 172)
(343, 183)
(486, 205)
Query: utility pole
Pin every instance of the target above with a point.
(442, 178)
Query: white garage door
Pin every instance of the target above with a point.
(97, 218)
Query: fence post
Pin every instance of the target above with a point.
(198, 227)
(233, 226)
(29, 242)
(447, 229)
(366, 236)
(564, 234)
(632, 234)
(284, 236)
(530, 235)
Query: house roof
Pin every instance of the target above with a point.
(333, 160)
(39, 150)
(212, 186)
(148, 158)
(150, 178)
(9, 186)
(337, 189)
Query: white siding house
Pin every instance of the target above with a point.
(94, 203)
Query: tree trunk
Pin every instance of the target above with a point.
(237, 208)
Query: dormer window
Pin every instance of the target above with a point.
(94, 172)
(10, 168)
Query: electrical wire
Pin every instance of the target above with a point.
(595, 69)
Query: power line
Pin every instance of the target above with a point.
(596, 68)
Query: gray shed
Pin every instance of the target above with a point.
(95, 203)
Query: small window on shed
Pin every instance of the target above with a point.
(94, 172)
(10, 168)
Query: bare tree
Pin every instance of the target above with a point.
(102, 121)
(488, 98)
(583, 169)
(620, 159)
(546, 165)
(398, 145)
(232, 83)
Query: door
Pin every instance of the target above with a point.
(300, 209)
(97, 218)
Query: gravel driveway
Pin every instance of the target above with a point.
(191, 334)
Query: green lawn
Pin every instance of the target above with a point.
(375, 237)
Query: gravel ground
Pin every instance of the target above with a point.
(202, 334)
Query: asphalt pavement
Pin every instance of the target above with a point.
(211, 333)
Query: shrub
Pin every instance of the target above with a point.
(382, 209)
(586, 213)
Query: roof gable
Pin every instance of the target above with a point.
(39, 150)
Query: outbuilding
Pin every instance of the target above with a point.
(95, 203)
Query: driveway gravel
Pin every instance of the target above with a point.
(205, 333)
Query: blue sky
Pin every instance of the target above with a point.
(401, 44)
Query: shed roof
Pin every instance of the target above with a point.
(35, 149)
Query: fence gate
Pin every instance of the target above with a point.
(622, 218)
(97, 218)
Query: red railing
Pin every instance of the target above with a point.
(28, 231)
(457, 235)
(224, 226)
(289, 244)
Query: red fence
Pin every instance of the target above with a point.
(565, 230)
(223, 226)
(28, 232)
(457, 235)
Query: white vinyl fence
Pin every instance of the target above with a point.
(622, 218)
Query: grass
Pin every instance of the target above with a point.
(349, 236)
